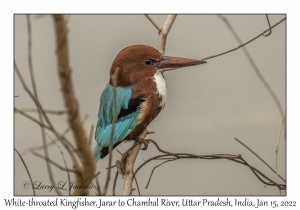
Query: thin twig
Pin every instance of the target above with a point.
(50, 173)
(129, 174)
(277, 145)
(159, 149)
(98, 184)
(137, 185)
(62, 154)
(61, 137)
(95, 176)
(253, 64)
(270, 31)
(155, 25)
(115, 183)
(26, 171)
(129, 165)
(235, 158)
(32, 118)
(24, 84)
(50, 127)
(238, 47)
(91, 134)
(112, 133)
(58, 112)
(152, 171)
(52, 162)
(258, 157)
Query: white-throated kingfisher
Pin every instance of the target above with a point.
(141, 95)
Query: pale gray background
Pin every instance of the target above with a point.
(207, 105)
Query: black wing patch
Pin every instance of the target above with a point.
(104, 150)
(132, 106)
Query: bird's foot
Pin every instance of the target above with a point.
(143, 141)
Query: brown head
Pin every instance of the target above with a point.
(137, 62)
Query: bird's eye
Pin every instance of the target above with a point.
(148, 62)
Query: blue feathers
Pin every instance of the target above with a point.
(124, 124)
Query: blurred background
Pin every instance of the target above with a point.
(207, 105)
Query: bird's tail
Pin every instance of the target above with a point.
(100, 151)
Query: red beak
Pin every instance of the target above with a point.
(170, 63)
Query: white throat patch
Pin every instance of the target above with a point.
(161, 87)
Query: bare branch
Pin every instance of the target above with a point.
(235, 158)
(259, 157)
(129, 165)
(253, 64)
(38, 104)
(159, 149)
(137, 185)
(115, 183)
(162, 39)
(58, 112)
(62, 154)
(52, 162)
(277, 146)
(155, 25)
(60, 137)
(270, 31)
(86, 172)
(26, 171)
(154, 169)
(50, 127)
(97, 184)
(91, 134)
(251, 40)
(24, 84)
(31, 118)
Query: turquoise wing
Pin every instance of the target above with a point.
(127, 112)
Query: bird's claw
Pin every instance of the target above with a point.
(143, 141)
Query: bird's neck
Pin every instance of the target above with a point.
(161, 87)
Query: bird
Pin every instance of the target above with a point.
(141, 94)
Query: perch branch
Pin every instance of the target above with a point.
(235, 158)
(129, 165)
(130, 159)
